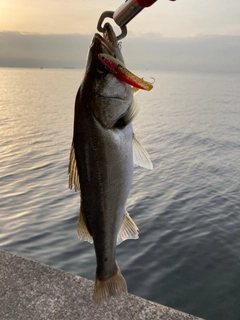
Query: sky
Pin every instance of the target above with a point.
(184, 34)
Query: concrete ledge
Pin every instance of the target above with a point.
(31, 290)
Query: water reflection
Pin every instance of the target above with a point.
(186, 208)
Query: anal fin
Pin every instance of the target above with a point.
(128, 230)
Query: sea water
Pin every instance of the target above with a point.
(187, 208)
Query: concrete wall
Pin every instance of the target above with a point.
(31, 290)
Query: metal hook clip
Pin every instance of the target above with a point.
(109, 14)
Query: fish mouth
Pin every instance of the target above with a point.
(109, 35)
(107, 43)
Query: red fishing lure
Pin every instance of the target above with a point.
(120, 72)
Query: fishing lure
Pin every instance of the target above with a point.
(120, 72)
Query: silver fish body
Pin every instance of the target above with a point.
(101, 163)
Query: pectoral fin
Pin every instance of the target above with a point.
(135, 90)
(82, 229)
(131, 114)
(140, 155)
(128, 230)
(73, 171)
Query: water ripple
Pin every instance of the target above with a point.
(187, 207)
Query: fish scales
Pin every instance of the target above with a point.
(102, 162)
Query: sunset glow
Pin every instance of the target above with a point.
(170, 19)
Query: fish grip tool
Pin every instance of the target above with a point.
(110, 14)
(124, 14)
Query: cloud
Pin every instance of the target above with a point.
(36, 50)
(147, 51)
(200, 53)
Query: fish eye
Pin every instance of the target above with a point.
(101, 69)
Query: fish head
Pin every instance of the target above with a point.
(107, 43)
(107, 97)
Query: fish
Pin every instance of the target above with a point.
(103, 154)
(122, 73)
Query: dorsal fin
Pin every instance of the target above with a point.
(73, 171)
(128, 229)
(140, 155)
(82, 229)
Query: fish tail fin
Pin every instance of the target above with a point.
(112, 287)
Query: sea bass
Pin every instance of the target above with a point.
(102, 157)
